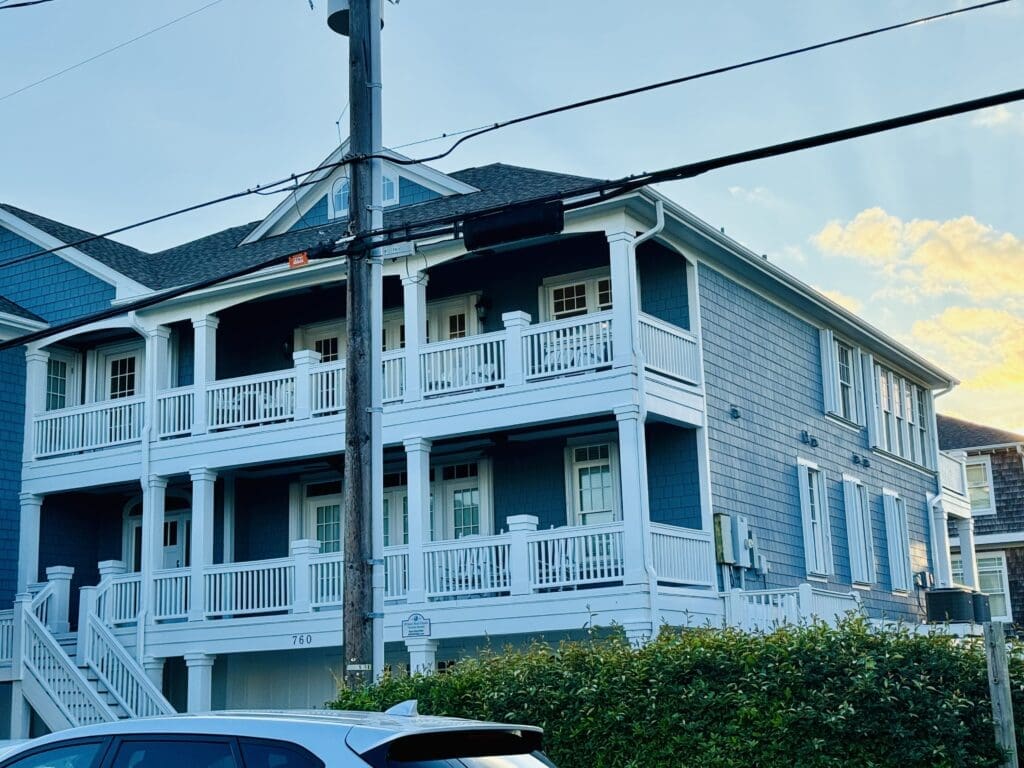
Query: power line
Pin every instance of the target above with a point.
(294, 183)
(600, 191)
(101, 54)
(23, 4)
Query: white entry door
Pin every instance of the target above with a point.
(324, 520)
(177, 541)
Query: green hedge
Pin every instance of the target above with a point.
(797, 697)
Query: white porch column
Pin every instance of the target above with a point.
(204, 367)
(229, 519)
(941, 566)
(200, 681)
(417, 453)
(519, 552)
(625, 305)
(304, 360)
(154, 497)
(301, 551)
(965, 530)
(414, 297)
(203, 481)
(154, 667)
(635, 508)
(515, 367)
(36, 362)
(422, 654)
(158, 358)
(28, 540)
(57, 616)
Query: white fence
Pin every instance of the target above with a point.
(683, 556)
(568, 346)
(569, 557)
(396, 572)
(89, 427)
(475, 362)
(251, 400)
(326, 580)
(242, 589)
(394, 376)
(668, 349)
(764, 610)
(328, 383)
(467, 567)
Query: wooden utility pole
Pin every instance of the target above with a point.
(999, 688)
(363, 573)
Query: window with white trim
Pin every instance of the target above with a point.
(340, 193)
(577, 294)
(323, 511)
(898, 541)
(979, 485)
(389, 188)
(56, 384)
(396, 509)
(814, 512)
(992, 580)
(592, 484)
(858, 530)
(902, 417)
(840, 365)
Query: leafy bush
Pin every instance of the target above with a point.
(804, 697)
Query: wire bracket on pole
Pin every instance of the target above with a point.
(375, 561)
(371, 615)
(375, 409)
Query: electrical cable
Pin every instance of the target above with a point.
(602, 190)
(23, 4)
(293, 179)
(101, 54)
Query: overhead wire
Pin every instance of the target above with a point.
(578, 198)
(308, 177)
(23, 4)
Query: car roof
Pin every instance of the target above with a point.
(362, 731)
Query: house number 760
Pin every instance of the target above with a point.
(302, 639)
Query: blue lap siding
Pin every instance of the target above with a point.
(766, 362)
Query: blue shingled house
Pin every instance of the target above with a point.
(636, 420)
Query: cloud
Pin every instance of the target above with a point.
(758, 196)
(1000, 118)
(984, 347)
(851, 303)
(959, 256)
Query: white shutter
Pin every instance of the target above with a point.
(826, 523)
(829, 371)
(858, 529)
(870, 399)
(805, 516)
(860, 387)
(898, 543)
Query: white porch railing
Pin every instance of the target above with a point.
(328, 382)
(474, 566)
(953, 473)
(171, 590)
(683, 556)
(118, 600)
(6, 635)
(326, 574)
(242, 589)
(394, 375)
(764, 610)
(567, 346)
(569, 557)
(668, 349)
(475, 362)
(251, 400)
(175, 412)
(396, 572)
(89, 427)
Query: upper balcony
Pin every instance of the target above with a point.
(494, 350)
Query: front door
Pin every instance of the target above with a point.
(324, 516)
(177, 541)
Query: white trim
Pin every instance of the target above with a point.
(859, 531)
(1004, 574)
(589, 277)
(897, 537)
(824, 565)
(572, 512)
(124, 286)
(987, 539)
(13, 326)
(986, 461)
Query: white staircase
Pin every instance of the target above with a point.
(70, 679)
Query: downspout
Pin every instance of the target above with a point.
(938, 521)
(645, 520)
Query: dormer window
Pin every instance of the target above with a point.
(340, 196)
(389, 189)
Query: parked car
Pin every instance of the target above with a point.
(398, 738)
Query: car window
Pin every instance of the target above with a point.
(81, 755)
(268, 754)
(174, 753)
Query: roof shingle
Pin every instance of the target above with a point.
(958, 433)
(8, 307)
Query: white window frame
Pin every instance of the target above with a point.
(388, 175)
(832, 383)
(308, 505)
(397, 515)
(902, 432)
(73, 382)
(103, 356)
(819, 564)
(897, 537)
(859, 530)
(442, 515)
(590, 279)
(1003, 572)
(986, 461)
(333, 211)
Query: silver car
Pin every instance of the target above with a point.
(398, 738)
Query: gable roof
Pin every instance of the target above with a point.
(958, 433)
(8, 307)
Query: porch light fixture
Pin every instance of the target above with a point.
(482, 306)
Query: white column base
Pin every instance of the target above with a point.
(422, 655)
(200, 681)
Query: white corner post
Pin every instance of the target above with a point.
(635, 507)
(158, 359)
(200, 681)
(28, 540)
(203, 481)
(304, 360)
(965, 530)
(154, 667)
(21, 712)
(57, 618)
(515, 324)
(942, 567)
(204, 368)
(36, 362)
(417, 454)
(301, 551)
(622, 263)
(154, 498)
(519, 526)
(422, 655)
(414, 298)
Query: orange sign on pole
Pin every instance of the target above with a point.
(299, 259)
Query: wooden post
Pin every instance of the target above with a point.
(999, 688)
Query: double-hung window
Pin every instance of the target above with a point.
(814, 511)
(578, 294)
(592, 484)
(858, 530)
(840, 365)
(992, 580)
(898, 540)
(900, 416)
(979, 485)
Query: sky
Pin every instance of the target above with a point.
(919, 231)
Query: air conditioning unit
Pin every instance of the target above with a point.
(952, 604)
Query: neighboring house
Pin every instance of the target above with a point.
(994, 485)
(636, 421)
